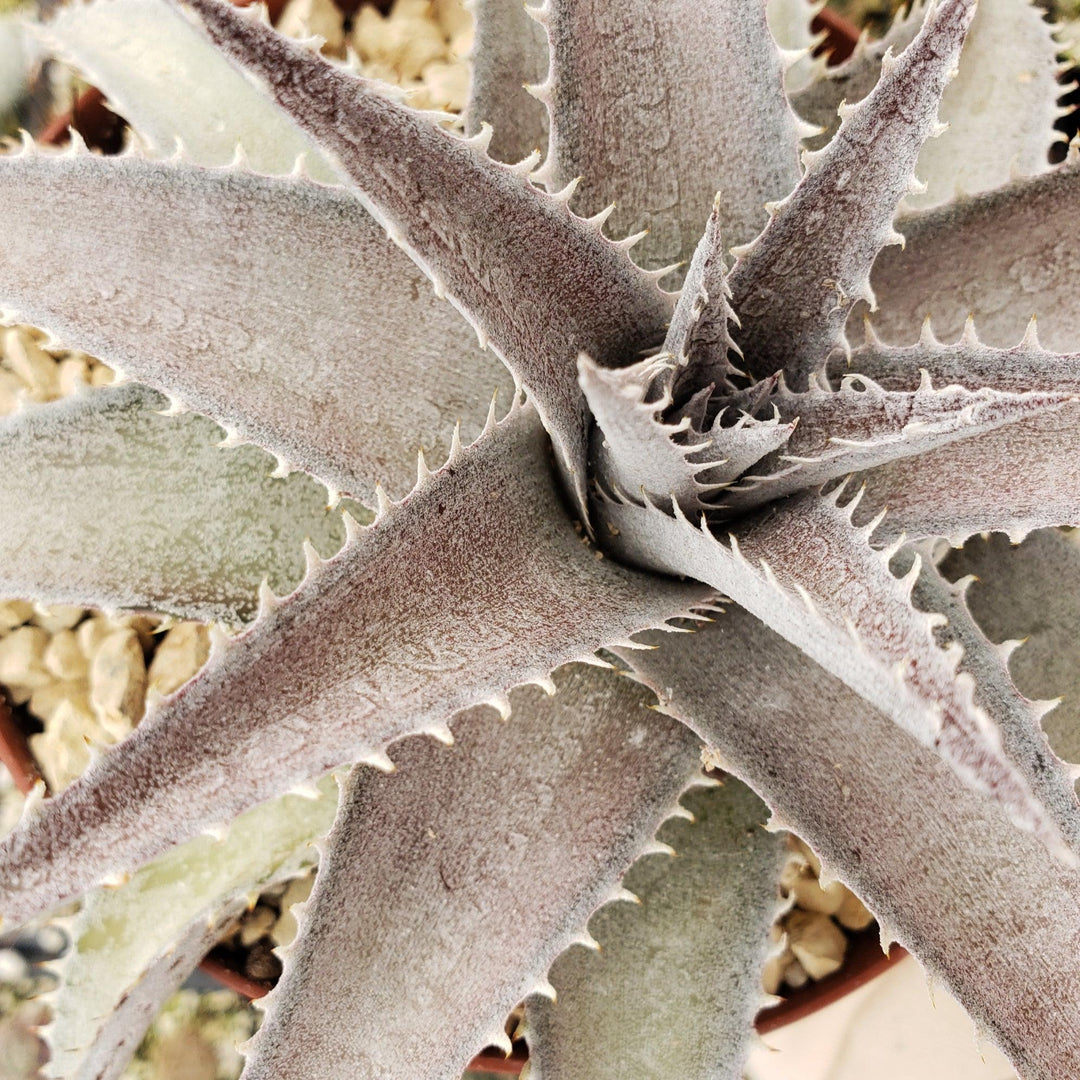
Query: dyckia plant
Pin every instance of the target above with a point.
(321, 295)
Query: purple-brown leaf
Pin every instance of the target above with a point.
(793, 297)
(984, 906)
(447, 889)
(352, 661)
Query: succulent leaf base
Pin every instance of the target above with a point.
(642, 522)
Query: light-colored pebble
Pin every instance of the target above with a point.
(795, 975)
(455, 20)
(64, 658)
(12, 390)
(31, 363)
(853, 914)
(407, 40)
(816, 941)
(180, 654)
(22, 662)
(101, 375)
(91, 633)
(72, 374)
(256, 925)
(773, 974)
(63, 749)
(13, 966)
(45, 702)
(807, 853)
(445, 86)
(14, 613)
(118, 682)
(57, 617)
(303, 18)
(809, 894)
(184, 1055)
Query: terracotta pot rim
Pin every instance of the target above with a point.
(865, 962)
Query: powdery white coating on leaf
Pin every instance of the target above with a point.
(148, 511)
(860, 425)
(170, 83)
(673, 990)
(1000, 108)
(123, 1022)
(538, 283)
(805, 570)
(352, 661)
(1014, 479)
(510, 50)
(634, 450)
(794, 286)
(699, 336)
(985, 906)
(1017, 719)
(658, 106)
(275, 305)
(1030, 592)
(819, 100)
(124, 931)
(999, 257)
(448, 888)
(967, 362)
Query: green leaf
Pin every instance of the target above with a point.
(121, 940)
(110, 504)
(672, 992)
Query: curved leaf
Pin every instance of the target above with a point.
(1014, 479)
(672, 992)
(171, 85)
(804, 569)
(985, 907)
(275, 305)
(659, 106)
(352, 661)
(104, 1001)
(448, 888)
(862, 425)
(509, 50)
(966, 362)
(1000, 108)
(998, 258)
(110, 504)
(793, 298)
(1031, 592)
(538, 283)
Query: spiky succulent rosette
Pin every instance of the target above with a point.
(320, 293)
